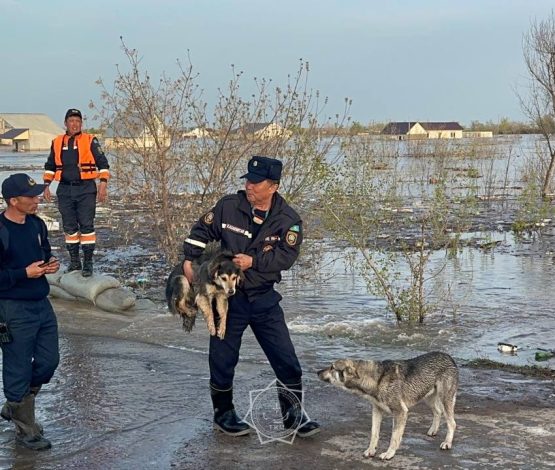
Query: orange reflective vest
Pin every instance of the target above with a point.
(87, 163)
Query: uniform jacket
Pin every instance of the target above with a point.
(92, 163)
(274, 249)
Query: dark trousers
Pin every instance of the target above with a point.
(32, 356)
(77, 205)
(270, 330)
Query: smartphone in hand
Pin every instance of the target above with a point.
(47, 263)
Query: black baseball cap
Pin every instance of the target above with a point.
(73, 112)
(263, 168)
(21, 184)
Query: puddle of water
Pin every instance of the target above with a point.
(113, 400)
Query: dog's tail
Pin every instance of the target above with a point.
(181, 301)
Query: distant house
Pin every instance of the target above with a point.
(423, 130)
(262, 130)
(197, 133)
(132, 132)
(28, 131)
(477, 134)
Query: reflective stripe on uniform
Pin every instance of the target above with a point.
(88, 238)
(195, 242)
(48, 176)
(72, 237)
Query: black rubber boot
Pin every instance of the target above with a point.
(290, 401)
(88, 251)
(27, 432)
(74, 259)
(225, 418)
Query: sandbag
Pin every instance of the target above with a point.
(59, 293)
(89, 287)
(115, 300)
(54, 278)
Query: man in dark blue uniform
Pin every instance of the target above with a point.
(264, 233)
(76, 160)
(28, 326)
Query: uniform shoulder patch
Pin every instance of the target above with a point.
(295, 228)
(291, 238)
(208, 218)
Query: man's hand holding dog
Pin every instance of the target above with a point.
(188, 270)
(243, 261)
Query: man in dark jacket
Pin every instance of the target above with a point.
(28, 326)
(76, 160)
(264, 233)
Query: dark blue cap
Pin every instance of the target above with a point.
(73, 112)
(21, 184)
(263, 168)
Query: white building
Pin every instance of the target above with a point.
(28, 131)
(423, 130)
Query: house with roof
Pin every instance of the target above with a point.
(261, 130)
(423, 130)
(130, 131)
(28, 132)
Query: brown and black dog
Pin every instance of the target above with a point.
(216, 277)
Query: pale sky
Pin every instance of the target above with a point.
(397, 60)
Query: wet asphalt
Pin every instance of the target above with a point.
(130, 395)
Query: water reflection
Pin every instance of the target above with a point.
(495, 296)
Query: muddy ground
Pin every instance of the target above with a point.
(123, 400)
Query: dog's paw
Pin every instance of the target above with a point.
(221, 333)
(445, 445)
(369, 453)
(432, 432)
(387, 455)
(212, 330)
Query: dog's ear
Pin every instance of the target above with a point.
(351, 371)
(213, 269)
(346, 369)
(240, 278)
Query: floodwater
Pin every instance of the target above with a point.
(155, 375)
(498, 295)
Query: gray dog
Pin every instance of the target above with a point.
(394, 387)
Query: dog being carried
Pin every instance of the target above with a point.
(394, 387)
(215, 279)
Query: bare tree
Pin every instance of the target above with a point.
(161, 169)
(539, 105)
(390, 222)
(143, 119)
